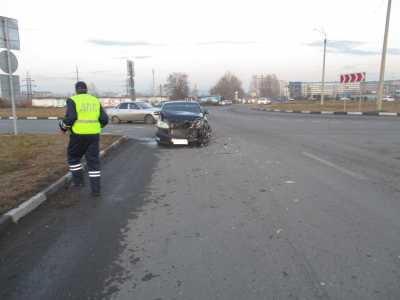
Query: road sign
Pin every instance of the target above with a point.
(11, 26)
(353, 77)
(5, 86)
(4, 62)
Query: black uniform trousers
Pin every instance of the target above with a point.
(84, 145)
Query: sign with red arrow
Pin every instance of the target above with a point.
(353, 77)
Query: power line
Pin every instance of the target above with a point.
(29, 87)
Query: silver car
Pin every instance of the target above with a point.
(138, 111)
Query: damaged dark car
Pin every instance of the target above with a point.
(183, 123)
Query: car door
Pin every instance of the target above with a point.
(134, 112)
(122, 111)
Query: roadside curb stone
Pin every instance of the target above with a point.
(15, 214)
(31, 118)
(356, 113)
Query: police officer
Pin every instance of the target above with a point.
(84, 118)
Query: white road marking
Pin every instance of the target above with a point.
(388, 114)
(332, 165)
(354, 113)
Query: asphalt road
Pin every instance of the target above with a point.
(278, 206)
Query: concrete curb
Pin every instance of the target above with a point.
(350, 113)
(15, 214)
(31, 118)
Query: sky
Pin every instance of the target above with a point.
(203, 38)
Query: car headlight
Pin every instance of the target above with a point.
(162, 124)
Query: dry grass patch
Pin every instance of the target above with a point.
(42, 112)
(30, 162)
(366, 106)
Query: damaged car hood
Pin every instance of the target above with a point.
(181, 116)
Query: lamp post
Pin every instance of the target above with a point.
(383, 60)
(323, 66)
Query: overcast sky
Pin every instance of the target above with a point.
(204, 38)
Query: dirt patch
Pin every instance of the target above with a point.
(41, 112)
(30, 162)
(351, 106)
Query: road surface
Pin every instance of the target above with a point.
(278, 206)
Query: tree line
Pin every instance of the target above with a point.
(268, 86)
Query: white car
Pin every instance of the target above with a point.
(226, 102)
(263, 101)
(388, 99)
(138, 111)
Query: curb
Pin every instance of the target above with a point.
(350, 113)
(31, 118)
(15, 214)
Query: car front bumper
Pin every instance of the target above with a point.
(176, 137)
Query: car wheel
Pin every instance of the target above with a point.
(149, 119)
(115, 119)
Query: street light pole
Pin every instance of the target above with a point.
(383, 60)
(323, 73)
(322, 31)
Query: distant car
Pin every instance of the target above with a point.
(225, 102)
(183, 123)
(344, 99)
(389, 99)
(138, 111)
(291, 99)
(263, 101)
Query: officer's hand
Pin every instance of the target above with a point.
(63, 127)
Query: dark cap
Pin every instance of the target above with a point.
(80, 87)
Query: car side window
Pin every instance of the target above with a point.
(123, 106)
(133, 106)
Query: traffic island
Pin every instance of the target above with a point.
(29, 163)
(351, 108)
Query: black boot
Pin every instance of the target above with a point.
(78, 178)
(95, 186)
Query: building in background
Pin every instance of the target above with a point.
(297, 90)
(335, 90)
(283, 89)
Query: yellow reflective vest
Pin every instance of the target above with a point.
(88, 113)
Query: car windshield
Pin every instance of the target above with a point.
(189, 107)
(144, 105)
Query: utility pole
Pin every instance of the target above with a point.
(322, 31)
(323, 73)
(131, 79)
(161, 91)
(77, 73)
(154, 83)
(383, 60)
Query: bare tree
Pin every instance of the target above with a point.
(227, 86)
(266, 86)
(177, 86)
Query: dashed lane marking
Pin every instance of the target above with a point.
(332, 165)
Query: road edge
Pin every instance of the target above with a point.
(14, 215)
(349, 113)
